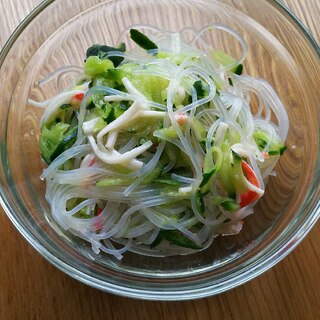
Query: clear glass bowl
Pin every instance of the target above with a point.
(57, 33)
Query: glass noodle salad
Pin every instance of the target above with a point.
(158, 150)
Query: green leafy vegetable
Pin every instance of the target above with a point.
(142, 40)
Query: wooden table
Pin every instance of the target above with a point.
(31, 288)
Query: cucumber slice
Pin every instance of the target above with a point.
(273, 146)
(175, 237)
(165, 180)
(226, 203)
(208, 171)
(238, 179)
(50, 139)
(224, 59)
(114, 182)
(150, 86)
(94, 66)
(68, 140)
(101, 51)
(226, 170)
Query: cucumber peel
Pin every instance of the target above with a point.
(175, 237)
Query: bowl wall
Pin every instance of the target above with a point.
(58, 33)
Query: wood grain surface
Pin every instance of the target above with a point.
(31, 288)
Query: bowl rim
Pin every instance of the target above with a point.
(258, 267)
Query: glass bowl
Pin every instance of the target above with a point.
(280, 50)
